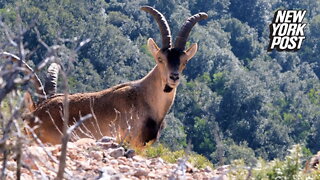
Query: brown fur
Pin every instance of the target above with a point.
(135, 110)
(141, 105)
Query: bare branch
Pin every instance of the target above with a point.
(18, 149)
(65, 137)
(10, 78)
(53, 122)
(82, 43)
(41, 41)
(81, 120)
(94, 116)
(8, 34)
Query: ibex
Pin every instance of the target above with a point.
(140, 104)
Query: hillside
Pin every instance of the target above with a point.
(102, 159)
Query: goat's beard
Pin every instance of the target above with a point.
(167, 89)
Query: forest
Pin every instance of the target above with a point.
(236, 99)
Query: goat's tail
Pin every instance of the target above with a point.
(51, 81)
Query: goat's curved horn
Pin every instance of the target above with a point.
(163, 25)
(183, 35)
(34, 78)
(50, 86)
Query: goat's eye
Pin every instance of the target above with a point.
(160, 60)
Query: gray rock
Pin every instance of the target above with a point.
(141, 172)
(116, 177)
(108, 170)
(107, 139)
(118, 152)
(208, 169)
(138, 159)
(108, 145)
(129, 153)
(96, 155)
(106, 173)
(124, 168)
(114, 162)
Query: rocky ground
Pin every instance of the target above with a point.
(103, 159)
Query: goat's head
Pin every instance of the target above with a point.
(170, 59)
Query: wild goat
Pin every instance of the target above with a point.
(141, 105)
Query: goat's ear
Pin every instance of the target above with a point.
(191, 51)
(152, 46)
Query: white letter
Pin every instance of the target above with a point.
(300, 42)
(299, 30)
(283, 29)
(289, 16)
(299, 16)
(292, 44)
(284, 43)
(291, 29)
(275, 28)
(281, 14)
(275, 42)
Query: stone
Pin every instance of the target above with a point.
(152, 175)
(113, 162)
(108, 170)
(25, 176)
(314, 162)
(220, 177)
(140, 172)
(124, 168)
(118, 152)
(129, 160)
(197, 176)
(138, 158)
(72, 154)
(208, 169)
(117, 177)
(11, 166)
(121, 161)
(160, 160)
(107, 145)
(84, 165)
(30, 162)
(96, 155)
(107, 139)
(85, 142)
(105, 160)
(54, 149)
(136, 164)
(148, 162)
(129, 153)
(72, 145)
(189, 167)
(122, 158)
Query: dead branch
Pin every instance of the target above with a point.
(94, 116)
(18, 149)
(65, 137)
(81, 120)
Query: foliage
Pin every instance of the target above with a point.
(159, 150)
(292, 167)
(234, 94)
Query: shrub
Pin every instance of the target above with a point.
(166, 154)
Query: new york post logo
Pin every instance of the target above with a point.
(287, 30)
